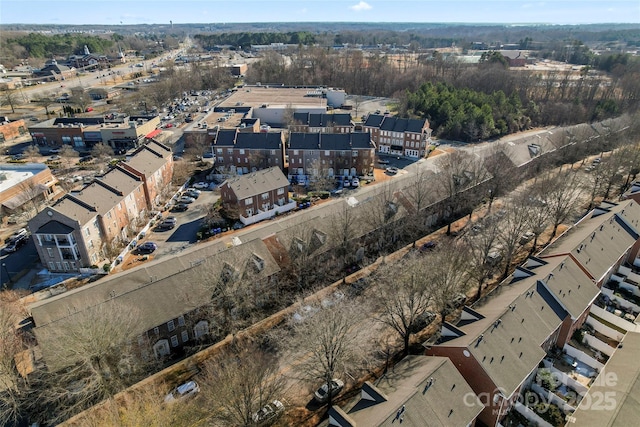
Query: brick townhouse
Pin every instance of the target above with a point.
(396, 136)
(238, 152)
(322, 123)
(78, 229)
(329, 154)
(499, 343)
(259, 192)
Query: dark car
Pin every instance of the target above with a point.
(146, 248)
(180, 207)
(425, 247)
(421, 321)
(165, 225)
(17, 243)
(192, 194)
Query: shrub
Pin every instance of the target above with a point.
(106, 267)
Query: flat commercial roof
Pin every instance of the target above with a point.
(256, 96)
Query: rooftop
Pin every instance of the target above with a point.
(418, 391)
(257, 96)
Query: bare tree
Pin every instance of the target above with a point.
(44, 101)
(480, 248)
(9, 98)
(32, 152)
(239, 384)
(80, 97)
(561, 194)
(404, 296)
(329, 336)
(67, 153)
(458, 171)
(419, 194)
(90, 357)
(14, 388)
(512, 226)
(447, 276)
(343, 236)
(101, 151)
(537, 216)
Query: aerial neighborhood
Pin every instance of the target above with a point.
(208, 225)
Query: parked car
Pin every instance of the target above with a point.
(322, 394)
(183, 391)
(526, 237)
(428, 246)
(20, 233)
(54, 157)
(392, 170)
(17, 243)
(422, 321)
(355, 183)
(383, 162)
(146, 248)
(54, 151)
(201, 185)
(191, 194)
(186, 199)
(268, 413)
(165, 225)
(180, 207)
(172, 220)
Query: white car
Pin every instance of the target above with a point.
(268, 413)
(183, 391)
(201, 185)
(322, 394)
(355, 183)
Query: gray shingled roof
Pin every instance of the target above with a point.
(430, 390)
(258, 182)
(330, 141)
(598, 241)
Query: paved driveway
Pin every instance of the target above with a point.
(183, 235)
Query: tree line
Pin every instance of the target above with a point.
(244, 40)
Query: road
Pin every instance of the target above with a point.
(12, 264)
(88, 78)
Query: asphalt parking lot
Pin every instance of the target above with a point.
(184, 234)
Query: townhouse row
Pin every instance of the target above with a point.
(80, 228)
(490, 361)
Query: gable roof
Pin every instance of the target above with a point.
(149, 158)
(258, 182)
(75, 209)
(519, 316)
(151, 289)
(418, 391)
(599, 240)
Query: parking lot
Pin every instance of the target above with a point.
(182, 236)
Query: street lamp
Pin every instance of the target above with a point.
(4, 266)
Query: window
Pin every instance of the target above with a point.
(59, 265)
(265, 196)
(219, 150)
(201, 329)
(66, 140)
(52, 265)
(87, 232)
(161, 349)
(241, 151)
(77, 141)
(273, 152)
(185, 336)
(65, 264)
(50, 252)
(171, 326)
(91, 243)
(181, 321)
(295, 152)
(327, 152)
(48, 237)
(109, 215)
(354, 153)
(280, 191)
(156, 331)
(248, 201)
(174, 341)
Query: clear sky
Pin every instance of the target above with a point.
(226, 11)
